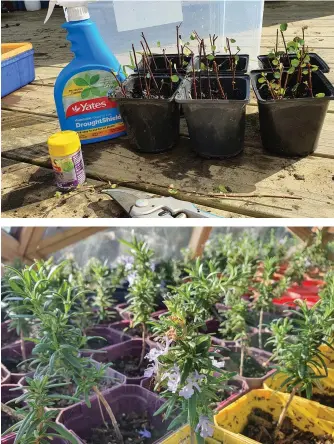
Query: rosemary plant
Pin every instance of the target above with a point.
(297, 354)
(187, 371)
(35, 425)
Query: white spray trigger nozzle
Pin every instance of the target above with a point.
(82, 12)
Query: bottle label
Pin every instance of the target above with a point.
(69, 170)
(88, 108)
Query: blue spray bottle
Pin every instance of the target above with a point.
(83, 87)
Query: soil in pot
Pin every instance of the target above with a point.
(97, 343)
(265, 336)
(323, 398)
(223, 63)
(226, 392)
(203, 90)
(14, 365)
(8, 421)
(128, 366)
(131, 425)
(114, 317)
(11, 337)
(252, 369)
(261, 427)
(69, 390)
(158, 63)
(163, 89)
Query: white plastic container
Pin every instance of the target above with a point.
(32, 5)
(121, 23)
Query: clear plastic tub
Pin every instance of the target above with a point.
(121, 23)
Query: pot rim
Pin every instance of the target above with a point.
(254, 74)
(214, 103)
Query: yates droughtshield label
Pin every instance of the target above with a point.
(87, 105)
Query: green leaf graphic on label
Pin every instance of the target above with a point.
(85, 93)
(94, 79)
(67, 166)
(95, 91)
(80, 81)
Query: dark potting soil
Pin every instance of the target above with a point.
(70, 389)
(97, 343)
(252, 369)
(161, 64)
(130, 424)
(8, 421)
(203, 91)
(128, 365)
(114, 317)
(13, 365)
(11, 337)
(323, 398)
(261, 427)
(223, 63)
(302, 91)
(166, 88)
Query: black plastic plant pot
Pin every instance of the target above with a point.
(315, 59)
(152, 124)
(159, 64)
(291, 127)
(216, 126)
(223, 63)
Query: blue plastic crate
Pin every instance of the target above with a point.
(17, 66)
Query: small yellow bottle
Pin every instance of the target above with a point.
(66, 158)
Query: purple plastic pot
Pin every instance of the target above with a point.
(157, 314)
(80, 419)
(8, 395)
(114, 352)
(260, 356)
(13, 351)
(112, 337)
(121, 326)
(242, 388)
(8, 337)
(5, 375)
(254, 338)
(124, 314)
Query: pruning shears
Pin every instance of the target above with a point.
(140, 204)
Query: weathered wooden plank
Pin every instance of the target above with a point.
(29, 191)
(254, 171)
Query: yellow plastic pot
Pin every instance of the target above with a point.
(315, 408)
(182, 436)
(329, 355)
(234, 417)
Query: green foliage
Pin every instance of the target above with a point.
(296, 348)
(38, 426)
(295, 80)
(187, 371)
(144, 284)
(101, 284)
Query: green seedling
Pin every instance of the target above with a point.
(296, 80)
(297, 354)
